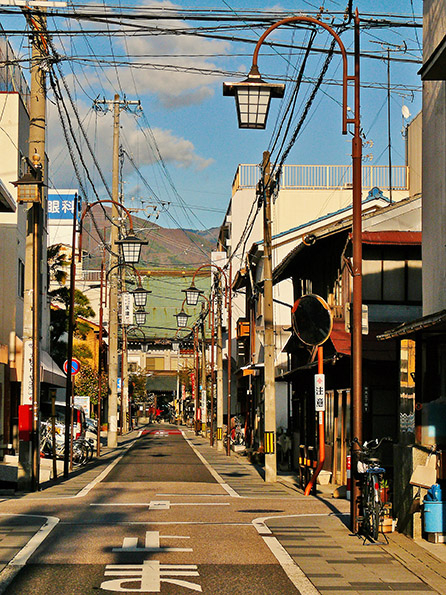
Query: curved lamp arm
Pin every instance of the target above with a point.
(89, 207)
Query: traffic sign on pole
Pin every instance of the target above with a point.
(75, 366)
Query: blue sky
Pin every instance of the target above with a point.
(195, 126)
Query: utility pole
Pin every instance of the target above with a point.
(204, 413)
(112, 434)
(124, 384)
(219, 369)
(29, 451)
(268, 322)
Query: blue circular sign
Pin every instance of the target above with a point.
(75, 366)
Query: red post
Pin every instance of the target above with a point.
(321, 428)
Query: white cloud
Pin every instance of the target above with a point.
(173, 149)
(99, 128)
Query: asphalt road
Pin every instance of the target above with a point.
(161, 521)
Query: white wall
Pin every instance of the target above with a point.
(13, 137)
(434, 169)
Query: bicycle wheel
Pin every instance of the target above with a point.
(90, 450)
(79, 455)
(371, 509)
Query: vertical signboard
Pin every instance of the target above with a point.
(319, 392)
(127, 308)
(28, 373)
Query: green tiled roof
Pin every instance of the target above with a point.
(165, 301)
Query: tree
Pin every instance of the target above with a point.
(57, 264)
(137, 386)
(86, 383)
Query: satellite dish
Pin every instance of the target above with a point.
(312, 320)
(405, 111)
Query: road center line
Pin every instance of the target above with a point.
(148, 504)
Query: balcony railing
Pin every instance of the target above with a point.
(329, 177)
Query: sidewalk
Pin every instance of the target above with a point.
(322, 546)
(336, 561)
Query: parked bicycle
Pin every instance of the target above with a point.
(237, 433)
(372, 473)
(82, 449)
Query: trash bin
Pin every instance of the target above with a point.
(434, 516)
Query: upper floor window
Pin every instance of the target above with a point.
(391, 275)
(21, 278)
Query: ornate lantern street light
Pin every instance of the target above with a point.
(192, 294)
(251, 116)
(140, 317)
(131, 248)
(252, 98)
(182, 317)
(140, 296)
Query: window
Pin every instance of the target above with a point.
(391, 275)
(21, 278)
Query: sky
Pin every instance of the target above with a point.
(182, 150)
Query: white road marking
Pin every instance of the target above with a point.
(94, 482)
(149, 575)
(159, 504)
(195, 495)
(152, 544)
(11, 570)
(211, 470)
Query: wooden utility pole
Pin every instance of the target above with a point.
(219, 370)
(268, 322)
(112, 434)
(29, 451)
(203, 395)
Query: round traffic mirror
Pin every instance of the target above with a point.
(311, 319)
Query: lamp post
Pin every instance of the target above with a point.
(252, 100)
(182, 316)
(131, 250)
(192, 296)
(201, 395)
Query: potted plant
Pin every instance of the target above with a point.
(384, 490)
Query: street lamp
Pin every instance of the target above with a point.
(192, 294)
(175, 345)
(182, 317)
(131, 252)
(140, 296)
(140, 317)
(131, 248)
(252, 99)
(29, 185)
(245, 110)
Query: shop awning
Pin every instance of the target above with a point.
(433, 324)
(50, 371)
(392, 238)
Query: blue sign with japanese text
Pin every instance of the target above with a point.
(61, 204)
